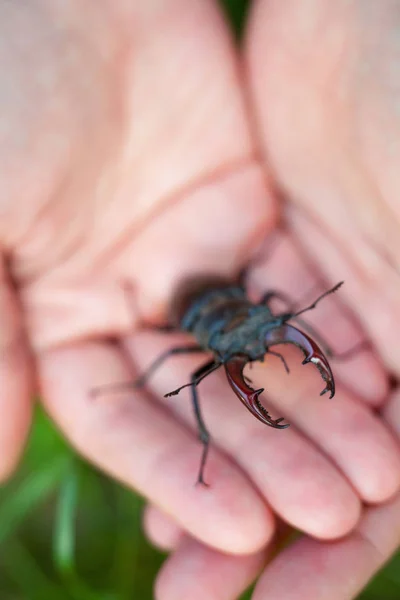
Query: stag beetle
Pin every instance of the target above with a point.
(236, 331)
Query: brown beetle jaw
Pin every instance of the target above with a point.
(287, 334)
(284, 334)
(234, 372)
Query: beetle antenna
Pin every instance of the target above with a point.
(314, 304)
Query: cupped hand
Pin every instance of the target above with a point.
(134, 146)
(323, 80)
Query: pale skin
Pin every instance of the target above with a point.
(134, 141)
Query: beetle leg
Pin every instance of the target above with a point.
(287, 334)
(213, 366)
(142, 379)
(360, 346)
(202, 429)
(318, 300)
(204, 436)
(234, 371)
(282, 358)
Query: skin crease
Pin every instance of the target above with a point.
(124, 161)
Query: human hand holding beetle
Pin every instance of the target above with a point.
(122, 161)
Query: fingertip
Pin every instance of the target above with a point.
(229, 514)
(336, 520)
(221, 576)
(160, 529)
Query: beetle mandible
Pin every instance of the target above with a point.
(236, 331)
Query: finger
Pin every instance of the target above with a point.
(334, 162)
(374, 297)
(391, 412)
(222, 577)
(160, 529)
(339, 571)
(139, 443)
(286, 269)
(16, 379)
(300, 484)
(346, 430)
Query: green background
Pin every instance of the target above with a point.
(67, 532)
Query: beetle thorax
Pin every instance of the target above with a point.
(246, 336)
(227, 323)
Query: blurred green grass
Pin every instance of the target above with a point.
(68, 532)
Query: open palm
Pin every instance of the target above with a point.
(130, 154)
